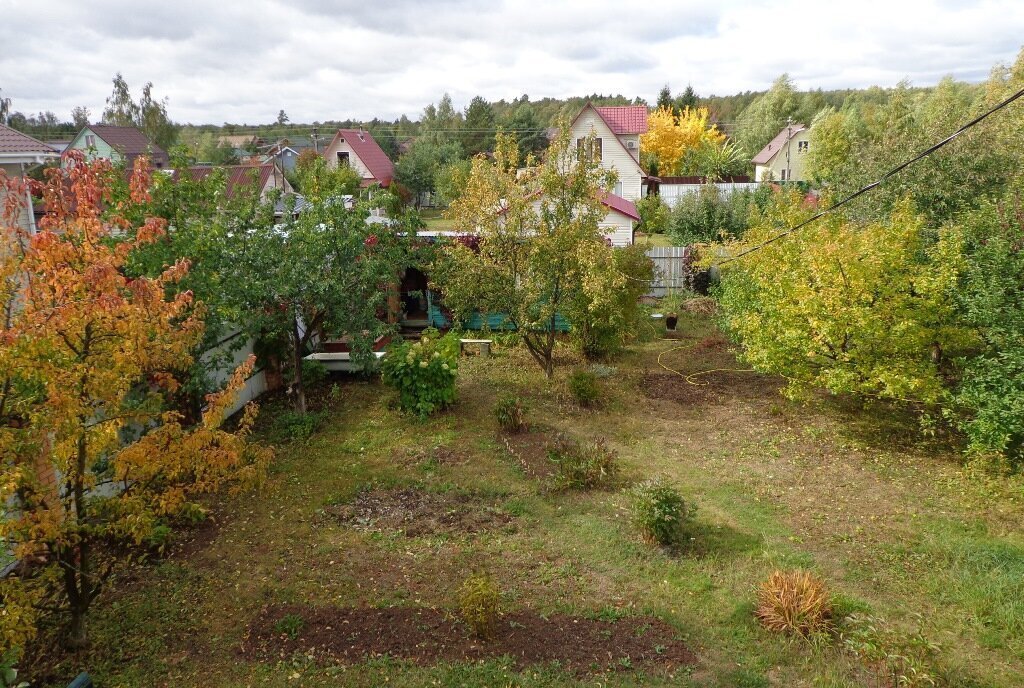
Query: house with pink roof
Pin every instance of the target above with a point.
(616, 145)
(357, 149)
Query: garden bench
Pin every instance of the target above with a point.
(483, 344)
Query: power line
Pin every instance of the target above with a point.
(863, 190)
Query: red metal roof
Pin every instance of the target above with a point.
(619, 205)
(367, 150)
(237, 175)
(131, 143)
(13, 141)
(776, 144)
(628, 119)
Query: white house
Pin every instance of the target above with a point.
(784, 159)
(357, 149)
(18, 154)
(616, 145)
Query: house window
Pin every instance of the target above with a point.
(343, 158)
(801, 146)
(592, 152)
(90, 141)
(783, 175)
(618, 189)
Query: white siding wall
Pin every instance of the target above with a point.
(257, 382)
(618, 228)
(353, 159)
(613, 153)
(24, 213)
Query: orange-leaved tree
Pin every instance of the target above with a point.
(96, 469)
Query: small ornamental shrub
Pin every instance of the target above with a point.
(423, 373)
(660, 512)
(480, 604)
(583, 466)
(509, 412)
(794, 602)
(583, 387)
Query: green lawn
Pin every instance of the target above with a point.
(889, 521)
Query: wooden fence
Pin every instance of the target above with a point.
(670, 271)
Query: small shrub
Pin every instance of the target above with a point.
(313, 373)
(289, 625)
(423, 373)
(583, 466)
(510, 413)
(480, 604)
(794, 602)
(583, 387)
(660, 512)
(292, 425)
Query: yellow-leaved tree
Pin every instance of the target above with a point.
(533, 252)
(675, 144)
(94, 469)
(862, 308)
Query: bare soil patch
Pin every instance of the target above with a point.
(428, 636)
(715, 387)
(417, 513)
(530, 449)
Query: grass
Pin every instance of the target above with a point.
(887, 521)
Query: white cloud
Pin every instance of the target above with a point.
(243, 61)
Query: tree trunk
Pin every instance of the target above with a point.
(297, 388)
(78, 638)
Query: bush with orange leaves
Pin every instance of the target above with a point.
(794, 602)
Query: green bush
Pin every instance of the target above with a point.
(603, 325)
(583, 387)
(583, 466)
(423, 373)
(660, 512)
(292, 425)
(480, 604)
(510, 413)
(313, 373)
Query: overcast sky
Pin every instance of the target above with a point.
(242, 61)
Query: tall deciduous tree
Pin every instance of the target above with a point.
(325, 273)
(767, 115)
(149, 114)
(539, 244)
(867, 309)
(89, 353)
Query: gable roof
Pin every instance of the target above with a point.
(129, 142)
(776, 144)
(237, 175)
(369, 152)
(625, 119)
(14, 144)
(619, 205)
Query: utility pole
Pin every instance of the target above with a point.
(789, 145)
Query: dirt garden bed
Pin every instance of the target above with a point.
(417, 513)
(713, 387)
(530, 451)
(428, 636)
